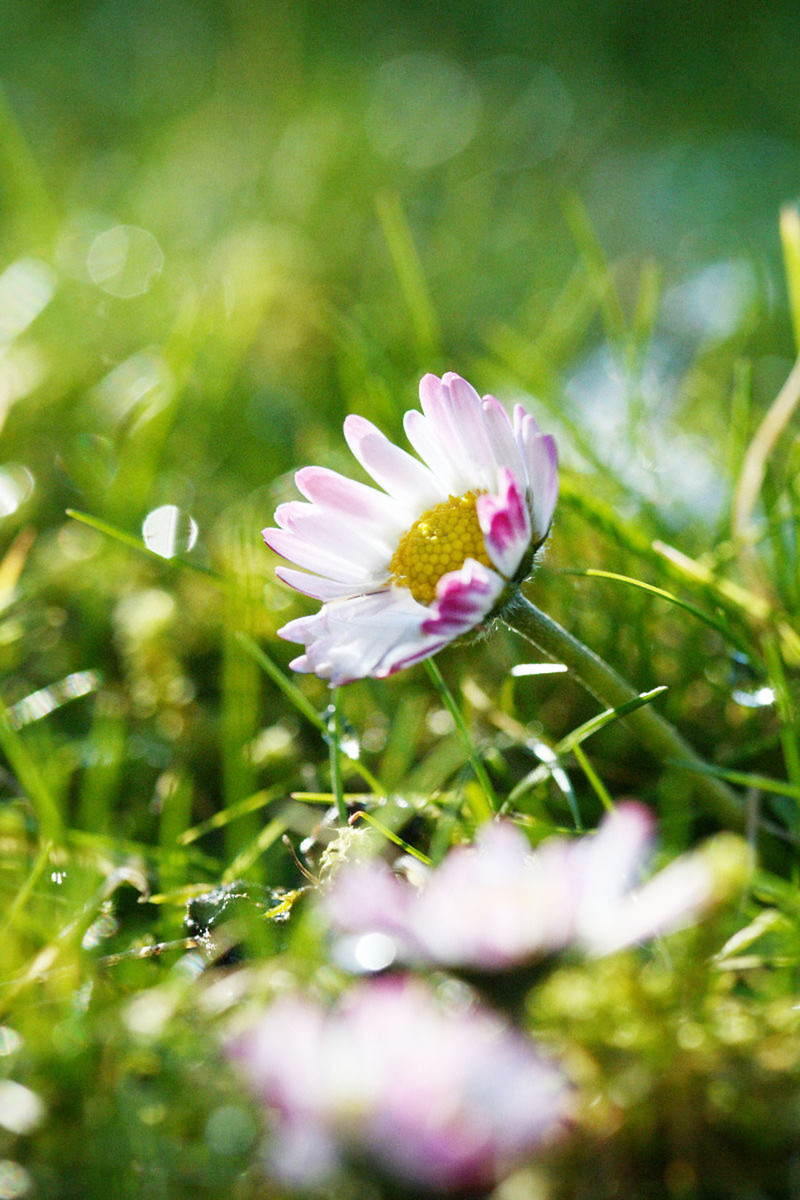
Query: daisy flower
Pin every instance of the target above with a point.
(496, 905)
(434, 1092)
(441, 543)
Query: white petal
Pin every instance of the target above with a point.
(350, 639)
(542, 464)
(336, 493)
(318, 587)
(313, 558)
(501, 437)
(429, 447)
(398, 473)
(455, 419)
(357, 542)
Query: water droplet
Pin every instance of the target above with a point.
(760, 697)
(26, 287)
(123, 261)
(169, 530)
(16, 486)
(10, 1040)
(21, 1110)
(14, 1180)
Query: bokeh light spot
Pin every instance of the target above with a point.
(123, 261)
(423, 110)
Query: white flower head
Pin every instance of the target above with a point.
(404, 570)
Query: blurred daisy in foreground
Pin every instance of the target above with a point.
(495, 904)
(427, 1089)
(405, 570)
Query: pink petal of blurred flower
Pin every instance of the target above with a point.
(495, 904)
(479, 501)
(436, 1094)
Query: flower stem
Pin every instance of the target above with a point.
(655, 733)
(490, 808)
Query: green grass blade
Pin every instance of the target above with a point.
(489, 805)
(572, 740)
(707, 618)
(385, 831)
(250, 854)
(31, 780)
(303, 705)
(790, 241)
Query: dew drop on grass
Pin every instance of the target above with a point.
(169, 530)
(16, 486)
(15, 1181)
(10, 1040)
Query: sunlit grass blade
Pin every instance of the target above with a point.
(786, 713)
(574, 739)
(385, 831)
(748, 779)
(758, 452)
(586, 239)
(135, 543)
(790, 241)
(729, 594)
(25, 891)
(303, 705)
(250, 854)
(489, 805)
(31, 779)
(335, 760)
(594, 780)
(709, 619)
(240, 808)
(110, 850)
(176, 795)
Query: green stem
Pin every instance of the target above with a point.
(655, 733)
(488, 809)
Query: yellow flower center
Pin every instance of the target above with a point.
(438, 542)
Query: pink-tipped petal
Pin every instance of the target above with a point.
(463, 599)
(398, 473)
(312, 558)
(432, 451)
(365, 546)
(356, 637)
(316, 586)
(505, 523)
(542, 466)
(501, 436)
(337, 494)
(454, 414)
